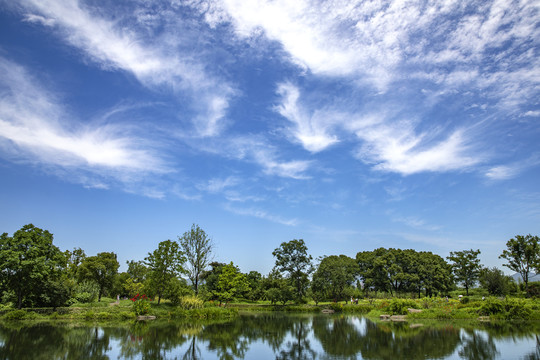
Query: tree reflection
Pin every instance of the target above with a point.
(46, 341)
(338, 336)
(478, 347)
(299, 348)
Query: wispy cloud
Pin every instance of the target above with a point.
(255, 149)
(261, 214)
(379, 42)
(34, 127)
(505, 172)
(386, 144)
(311, 130)
(112, 45)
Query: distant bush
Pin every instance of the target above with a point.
(86, 292)
(506, 309)
(15, 315)
(400, 306)
(191, 302)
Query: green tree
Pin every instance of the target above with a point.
(466, 267)
(74, 259)
(495, 282)
(137, 270)
(336, 273)
(523, 255)
(197, 247)
(165, 263)
(101, 269)
(232, 283)
(28, 260)
(292, 258)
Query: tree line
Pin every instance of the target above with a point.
(36, 273)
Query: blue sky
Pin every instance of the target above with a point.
(350, 124)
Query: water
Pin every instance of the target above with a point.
(271, 336)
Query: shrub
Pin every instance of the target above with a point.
(400, 306)
(507, 309)
(141, 305)
(86, 292)
(15, 315)
(465, 300)
(191, 302)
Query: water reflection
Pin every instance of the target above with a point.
(271, 336)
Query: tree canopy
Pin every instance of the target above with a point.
(101, 269)
(29, 260)
(165, 263)
(197, 248)
(292, 259)
(523, 255)
(466, 267)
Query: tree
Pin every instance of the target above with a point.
(495, 282)
(197, 247)
(336, 273)
(28, 260)
(74, 259)
(293, 259)
(231, 283)
(522, 254)
(466, 267)
(165, 263)
(211, 278)
(101, 269)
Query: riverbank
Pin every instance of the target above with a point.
(426, 308)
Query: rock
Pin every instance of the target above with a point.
(414, 310)
(327, 311)
(385, 317)
(146, 317)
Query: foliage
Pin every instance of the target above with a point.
(211, 278)
(495, 282)
(509, 309)
(86, 291)
(401, 271)
(197, 247)
(231, 283)
(176, 289)
(277, 289)
(165, 263)
(466, 267)
(292, 258)
(137, 271)
(141, 304)
(334, 274)
(534, 290)
(101, 269)
(191, 302)
(28, 262)
(400, 306)
(523, 255)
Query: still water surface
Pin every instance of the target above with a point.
(271, 336)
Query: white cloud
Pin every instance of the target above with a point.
(261, 214)
(33, 127)
(217, 185)
(505, 172)
(310, 130)
(453, 43)
(32, 18)
(120, 47)
(255, 149)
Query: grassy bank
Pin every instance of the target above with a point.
(425, 308)
(110, 310)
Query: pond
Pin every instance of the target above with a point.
(271, 336)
